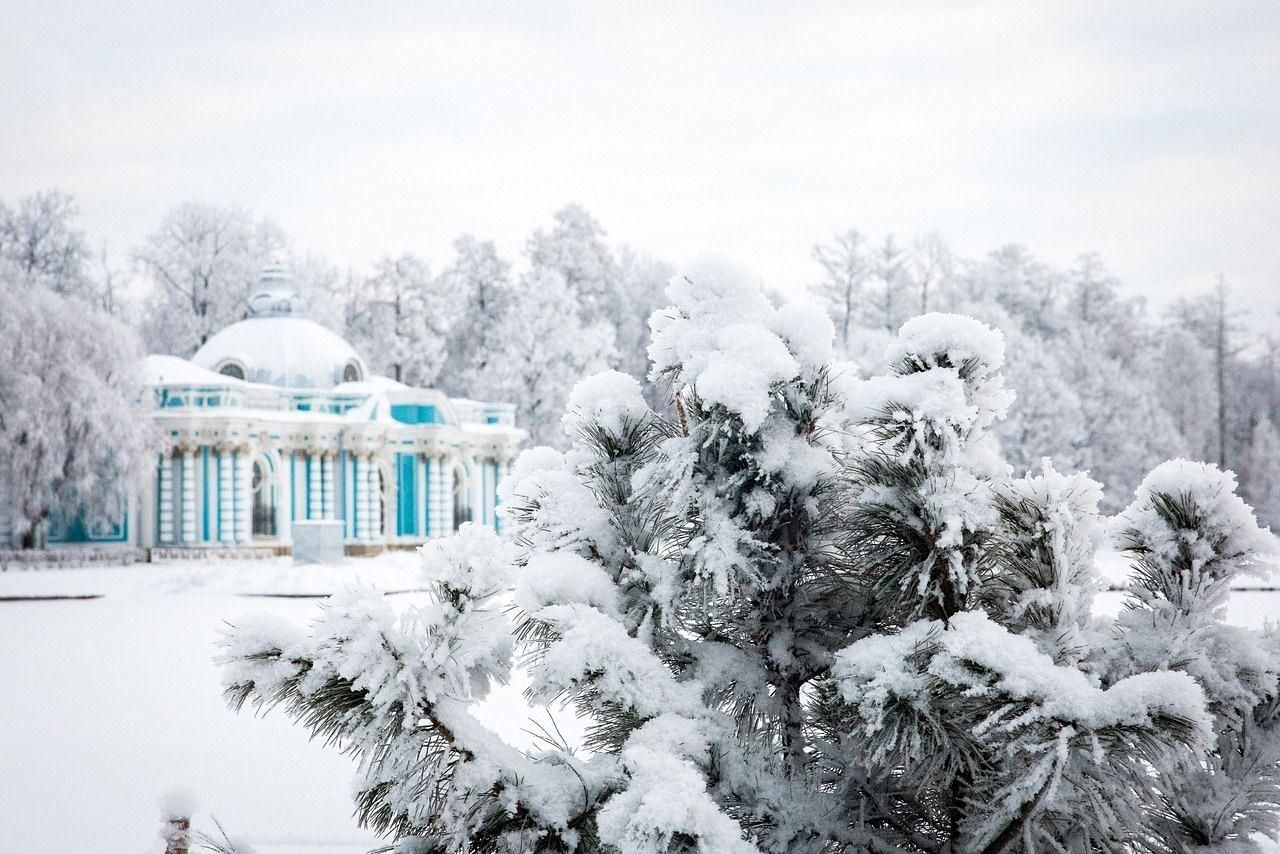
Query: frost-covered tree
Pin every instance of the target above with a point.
(1029, 290)
(1049, 419)
(542, 347)
(41, 247)
(575, 250)
(1183, 377)
(804, 613)
(847, 269)
(644, 282)
(69, 429)
(1262, 471)
(614, 292)
(1127, 429)
(399, 319)
(478, 285)
(1211, 319)
(931, 268)
(889, 294)
(204, 263)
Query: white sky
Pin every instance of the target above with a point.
(1149, 132)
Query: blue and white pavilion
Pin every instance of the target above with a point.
(276, 419)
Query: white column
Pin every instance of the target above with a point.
(188, 496)
(376, 533)
(423, 513)
(243, 494)
(500, 475)
(446, 492)
(435, 528)
(314, 490)
(226, 498)
(164, 500)
(479, 502)
(327, 503)
(361, 494)
(284, 498)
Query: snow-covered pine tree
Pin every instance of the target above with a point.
(977, 726)
(1190, 536)
(805, 613)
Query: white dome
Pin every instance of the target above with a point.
(282, 350)
(276, 346)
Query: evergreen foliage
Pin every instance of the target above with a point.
(802, 612)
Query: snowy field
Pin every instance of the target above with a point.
(109, 702)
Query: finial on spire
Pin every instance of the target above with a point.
(275, 296)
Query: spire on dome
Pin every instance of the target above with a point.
(276, 296)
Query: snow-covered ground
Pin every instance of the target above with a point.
(107, 703)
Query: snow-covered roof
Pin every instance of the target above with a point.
(281, 350)
(171, 370)
(373, 384)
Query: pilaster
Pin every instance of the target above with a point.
(165, 501)
(188, 496)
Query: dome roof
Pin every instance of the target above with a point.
(276, 346)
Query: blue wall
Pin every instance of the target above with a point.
(406, 495)
(416, 413)
(76, 530)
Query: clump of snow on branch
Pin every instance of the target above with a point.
(718, 337)
(609, 401)
(562, 578)
(560, 510)
(666, 799)
(178, 802)
(1225, 533)
(954, 338)
(979, 657)
(806, 328)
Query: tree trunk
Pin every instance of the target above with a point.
(792, 727)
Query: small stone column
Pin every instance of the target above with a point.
(188, 496)
(226, 498)
(165, 500)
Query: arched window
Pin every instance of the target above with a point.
(351, 373)
(264, 505)
(461, 497)
(232, 369)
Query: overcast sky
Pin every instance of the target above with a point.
(1148, 132)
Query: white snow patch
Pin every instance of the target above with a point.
(610, 399)
(957, 336)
